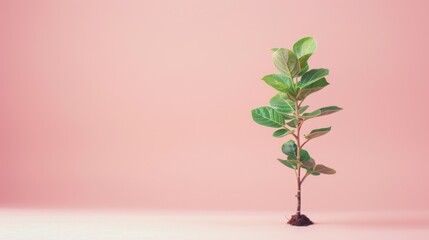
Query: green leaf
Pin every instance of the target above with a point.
(305, 46)
(302, 109)
(321, 112)
(280, 82)
(317, 133)
(293, 123)
(304, 156)
(267, 116)
(304, 91)
(323, 169)
(288, 117)
(289, 148)
(286, 61)
(312, 76)
(289, 163)
(313, 114)
(282, 132)
(304, 69)
(309, 165)
(306, 161)
(281, 104)
(329, 110)
(292, 96)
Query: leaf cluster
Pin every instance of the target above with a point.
(294, 82)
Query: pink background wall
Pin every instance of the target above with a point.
(147, 104)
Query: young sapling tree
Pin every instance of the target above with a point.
(294, 83)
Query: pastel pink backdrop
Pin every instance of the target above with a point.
(146, 104)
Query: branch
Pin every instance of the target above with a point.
(304, 143)
(296, 137)
(302, 180)
(300, 124)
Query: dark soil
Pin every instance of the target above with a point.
(302, 220)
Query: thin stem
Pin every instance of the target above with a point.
(298, 158)
(296, 137)
(302, 180)
(296, 173)
(300, 103)
(304, 143)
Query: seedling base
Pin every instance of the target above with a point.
(302, 220)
